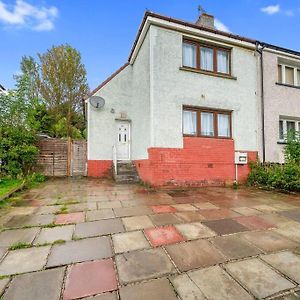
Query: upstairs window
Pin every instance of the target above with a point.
(206, 57)
(289, 75)
(189, 55)
(206, 123)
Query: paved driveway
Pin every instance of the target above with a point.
(74, 239)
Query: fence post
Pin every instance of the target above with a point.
(69, 155)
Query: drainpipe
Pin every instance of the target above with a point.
(260, 49)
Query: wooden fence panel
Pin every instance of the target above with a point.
(60, 157)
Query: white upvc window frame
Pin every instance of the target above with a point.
(283, 66)
(285, 120)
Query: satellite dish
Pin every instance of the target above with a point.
(97, 102)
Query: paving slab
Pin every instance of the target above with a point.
(109, 204)
(246, 211)
(104, 296)
(12, 237)
(234, 247)
(158, 209)
(138, 222)
(225, 226)
(186, 288)
(50, 235)
(165, 219)
(217, 214)
(132, 211)
(3, 283)
(205, 205)
(194, 254)
(278, 220)
(258, 278)
(71, 218)
(184, 207)
(269, 241)
(24, 260)
(163, 236)
(215, 283)
(193, 231)
(96, 228)
(90, 278)
(190, 216)
(143, 264)
(129, 241)
(44, 285)
(22, 210)
(255, 223)
(102, 214)
(286, 262)
(293, 215)
(82, 207)
(265, 208)
(159, 289)
(52, 209)
(79, 251)
(289, 296)
(290, 231)
(31, 220)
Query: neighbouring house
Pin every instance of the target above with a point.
(280, 99)
(185, 102)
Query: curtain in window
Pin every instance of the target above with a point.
(223, 61)
(223, 125)
(207, 124)
(206, 56)
(189, 55)
(189, 122)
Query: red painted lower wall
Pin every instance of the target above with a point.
(201, 162)
(99, 168)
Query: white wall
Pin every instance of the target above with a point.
(127, 92)
(173, 88)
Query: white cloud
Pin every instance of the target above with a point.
(220, 26)
(271, 9)
(23, 14)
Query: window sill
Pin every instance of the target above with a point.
(207, 73)
(281, 142)
(288, 85)
(208, 137)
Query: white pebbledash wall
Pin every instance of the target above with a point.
(172, 88)
(127, 93)
(153, 89)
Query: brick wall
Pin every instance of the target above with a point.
(99, 168)
(201, 162)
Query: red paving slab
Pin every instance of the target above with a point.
(163, 236)
(90, 278)
(217, 214)
(71, 218)
(254, 222)
(158, 209)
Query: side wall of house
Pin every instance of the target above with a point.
(174, 159)
(127, 97)
(279, 101)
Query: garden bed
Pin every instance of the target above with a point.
(9, 186)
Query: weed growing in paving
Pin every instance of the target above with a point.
(19, 246)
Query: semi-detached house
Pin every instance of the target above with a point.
(188, 105)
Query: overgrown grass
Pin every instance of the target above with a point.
(7, 185)
(19, 246)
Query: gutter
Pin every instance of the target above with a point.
(260, 49)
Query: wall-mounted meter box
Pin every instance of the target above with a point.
(241, 158)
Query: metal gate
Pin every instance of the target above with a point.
(59, 157)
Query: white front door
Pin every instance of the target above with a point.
(123, 141)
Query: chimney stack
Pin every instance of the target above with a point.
(206, 20)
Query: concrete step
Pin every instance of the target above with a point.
(126, 173)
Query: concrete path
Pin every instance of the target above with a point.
(92, 239)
